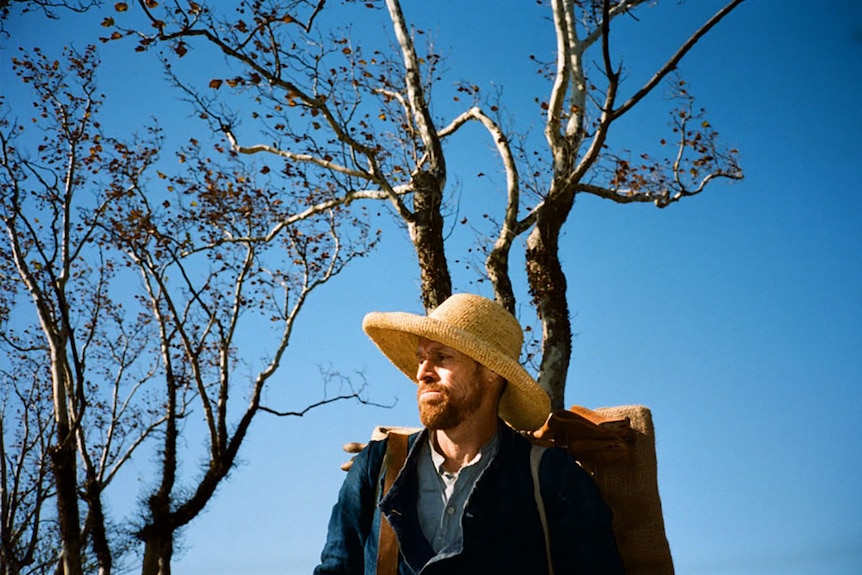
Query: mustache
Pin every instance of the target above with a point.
(432, 387)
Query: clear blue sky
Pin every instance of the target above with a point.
(736, 316)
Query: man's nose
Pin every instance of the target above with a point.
(425, 371)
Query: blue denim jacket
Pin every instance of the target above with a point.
(502, 532)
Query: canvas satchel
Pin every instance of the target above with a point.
(630, 487)
(616, 445)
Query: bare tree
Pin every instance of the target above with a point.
(28, 539)
(151, 292)
(361, 119)
(51, 205)
(577, 132)
(227, 265)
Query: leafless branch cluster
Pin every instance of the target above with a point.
(359, 118)
(136, 295)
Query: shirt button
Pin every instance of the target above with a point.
(450, 511)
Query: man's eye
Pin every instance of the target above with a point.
(434, 357)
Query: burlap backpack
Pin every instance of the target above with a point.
(616, 445)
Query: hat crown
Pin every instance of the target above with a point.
(485, 320)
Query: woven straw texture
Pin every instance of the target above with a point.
(630, 487)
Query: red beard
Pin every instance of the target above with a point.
(445, 411)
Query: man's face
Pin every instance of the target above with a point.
(452, 386)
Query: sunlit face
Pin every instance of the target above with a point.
(452, 386)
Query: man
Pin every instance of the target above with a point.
(464, 500)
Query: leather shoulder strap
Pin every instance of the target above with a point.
(387, 543)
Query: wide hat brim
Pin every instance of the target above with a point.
(524, 404)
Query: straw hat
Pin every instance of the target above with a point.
(477, 327)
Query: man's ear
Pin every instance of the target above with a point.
(493, 378)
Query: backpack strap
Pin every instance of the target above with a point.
(387, 542)
(536, 453)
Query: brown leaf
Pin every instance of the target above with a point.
(121, 6)
(215, 84)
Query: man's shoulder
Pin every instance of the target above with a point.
(374, 452)
(517, 442)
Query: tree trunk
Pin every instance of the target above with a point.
(64, 465)
(158, 550)
(158, 534)
(95, 526)
(63, 460)
(426, 232)
(548, 288)
(497, 267)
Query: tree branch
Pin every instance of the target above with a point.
(674, 60)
